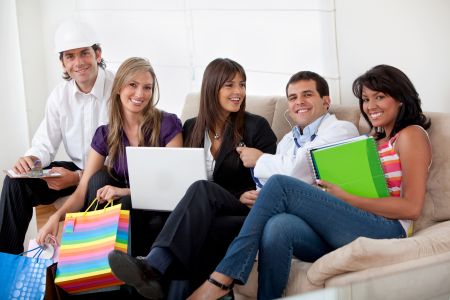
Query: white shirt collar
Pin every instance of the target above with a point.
(98, 88)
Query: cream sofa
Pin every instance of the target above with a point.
(365, 258)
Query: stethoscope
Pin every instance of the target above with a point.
(296, 131)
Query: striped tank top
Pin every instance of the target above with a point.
(392, 168)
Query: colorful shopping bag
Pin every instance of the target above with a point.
(22, 277)
(87, 239)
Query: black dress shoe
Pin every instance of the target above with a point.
(137, 273)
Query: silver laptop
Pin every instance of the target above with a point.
(160, 176)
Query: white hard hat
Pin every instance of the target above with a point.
(74, 34)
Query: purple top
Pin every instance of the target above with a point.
(170, 127)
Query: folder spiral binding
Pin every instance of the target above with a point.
(352, 164)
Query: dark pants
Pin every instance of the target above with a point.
(200, 229)
(222, 232)
(99, 180)
(18, 198)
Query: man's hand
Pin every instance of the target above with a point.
(249, 156)
(248, 198)
(109, 192)
(67, 179)
(24, 164)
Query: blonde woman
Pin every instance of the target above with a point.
(133, 121)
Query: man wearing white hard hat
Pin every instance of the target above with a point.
(75, 108)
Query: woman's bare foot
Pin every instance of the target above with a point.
(213, 291)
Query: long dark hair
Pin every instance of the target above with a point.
(395, 83)
(216, 74)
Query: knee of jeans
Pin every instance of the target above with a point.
(274, 179)
(276, 231)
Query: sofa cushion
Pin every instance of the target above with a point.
(262, 106)
(364, 253)
(281, 120)
(437, 199)
(395, 281)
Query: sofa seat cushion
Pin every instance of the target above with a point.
(365, 253)
(423, 266)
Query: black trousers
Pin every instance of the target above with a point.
(99, 180)
(18, 198)
(200, 229)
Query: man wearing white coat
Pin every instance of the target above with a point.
(308, 104)
(75, 108)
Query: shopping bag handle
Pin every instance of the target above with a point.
(109, 203)
(92, 203)
(38, 253)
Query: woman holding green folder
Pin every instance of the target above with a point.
(291, 217)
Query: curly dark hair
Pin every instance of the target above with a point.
(395, 83)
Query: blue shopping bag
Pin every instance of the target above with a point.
(22, 277)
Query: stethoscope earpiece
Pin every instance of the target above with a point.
(287, 120)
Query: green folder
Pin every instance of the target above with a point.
(353, 164)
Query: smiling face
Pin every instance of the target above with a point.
(231, 95)
(304, 102)
(380, 108)
(81, 65)
(135, 95)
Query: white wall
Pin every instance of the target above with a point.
(181, 37)
(413, 35)
(13, 119)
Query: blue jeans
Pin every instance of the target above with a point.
(289, 218)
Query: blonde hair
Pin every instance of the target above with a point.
(150, 123)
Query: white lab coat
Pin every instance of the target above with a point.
(286, 163)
